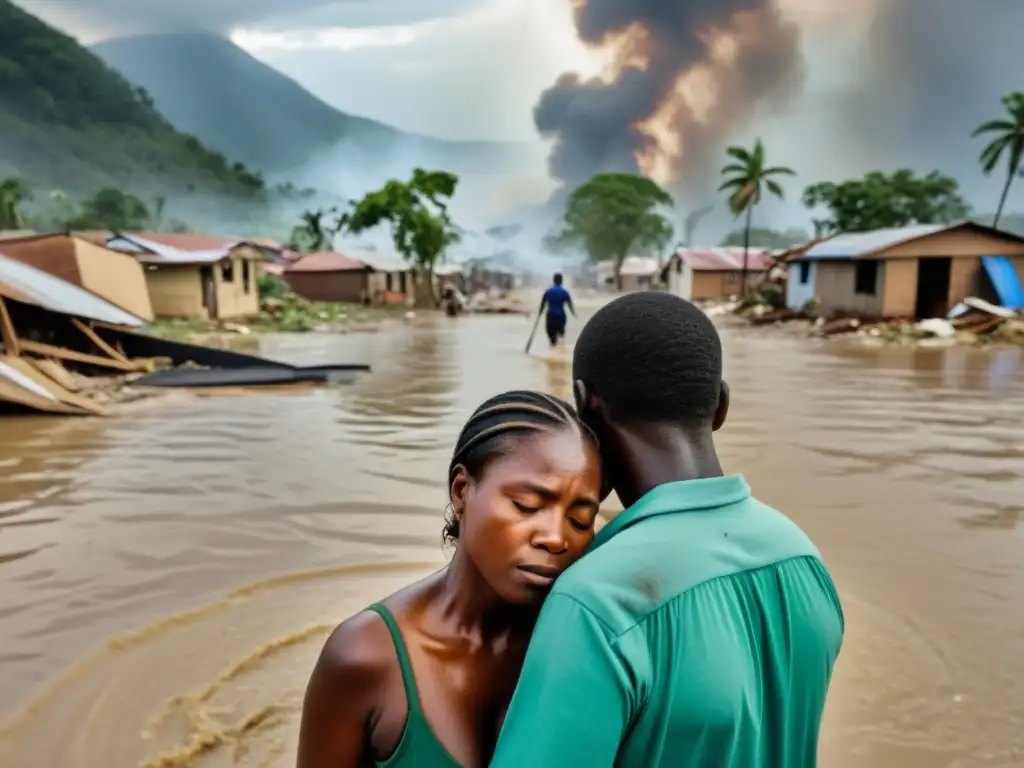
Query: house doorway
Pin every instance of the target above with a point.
(933, 287)
(209, 288)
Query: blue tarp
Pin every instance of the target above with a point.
(1005, 280)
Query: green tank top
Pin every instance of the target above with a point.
(417, 746)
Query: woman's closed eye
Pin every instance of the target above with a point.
(581, 525)
(526, 509)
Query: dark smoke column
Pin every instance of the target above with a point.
(598, 124)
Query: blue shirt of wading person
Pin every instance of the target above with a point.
(556, 298)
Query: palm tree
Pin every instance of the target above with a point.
(746, 177)
(313, 233)
(1008, 138)
(13, 192)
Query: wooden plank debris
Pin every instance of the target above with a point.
(48, 350)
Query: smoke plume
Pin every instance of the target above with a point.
(685, 77)
(930, 73)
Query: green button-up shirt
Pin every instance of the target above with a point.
(700, 630)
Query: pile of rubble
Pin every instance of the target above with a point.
(974, 322)
(496, 302)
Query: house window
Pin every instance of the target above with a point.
(246, 276)
(731, 278)
(388, 283)
(805, 272)
(227, 271)
(865, 278)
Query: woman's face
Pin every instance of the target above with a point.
(530, 514)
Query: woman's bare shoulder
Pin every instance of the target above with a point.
(358, 650)
(361, 649)
(345, 692)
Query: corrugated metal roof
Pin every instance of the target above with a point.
(56, 295)
(185, 241)
(20, 379)
(325, 261)
(853, 245)
(16, 234)
(196, 242)
(724, 259)
(445, 270)
(640, 266)
(379, 261)
(152, 252)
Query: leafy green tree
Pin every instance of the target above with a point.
(417, 211)
(14, 192)
(746, 178)
(882, 201)
(114, 210)
(764, 237)
(613, 215)
(1006, 139)
(74, 122)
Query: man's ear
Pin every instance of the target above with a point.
(723, 408)
(583, 396)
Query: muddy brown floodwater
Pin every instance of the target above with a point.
(167, 578)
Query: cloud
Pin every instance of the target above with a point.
(92, 20)
(333, 39)
(470, 77)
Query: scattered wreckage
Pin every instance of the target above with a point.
(67, 351)
(972, 321)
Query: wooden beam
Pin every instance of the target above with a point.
(100, 343)
(47, 350)
(10, 336)
(113, 327)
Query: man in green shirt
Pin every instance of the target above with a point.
(702, 626)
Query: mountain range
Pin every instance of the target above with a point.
(209, 87)
(193, 114)
(69, 121)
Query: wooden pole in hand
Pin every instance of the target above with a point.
(536, 324)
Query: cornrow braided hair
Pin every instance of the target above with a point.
(508, 415)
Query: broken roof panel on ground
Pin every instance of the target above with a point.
(22, 282)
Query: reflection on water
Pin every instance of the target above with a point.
(905, 465)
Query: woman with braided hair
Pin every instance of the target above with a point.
(424, 678)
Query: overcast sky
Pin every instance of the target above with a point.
(452, 68)
(470, 69)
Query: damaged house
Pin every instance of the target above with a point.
(918, 272)
(112, 275)
(47, 323)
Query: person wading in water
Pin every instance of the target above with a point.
(701, 627)
(423, 678)
(556, 299)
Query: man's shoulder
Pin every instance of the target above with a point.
(664, 558)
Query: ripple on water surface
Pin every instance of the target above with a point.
(904, 466)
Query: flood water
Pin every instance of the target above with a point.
(167, 578)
